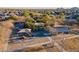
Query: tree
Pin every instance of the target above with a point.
(30, 23)
(48, 12)
(26, 13)
(61, 18)
(15, 17)
(77, 19)
(46, 18)
(52, 20)
(62, 15)
(49, 20)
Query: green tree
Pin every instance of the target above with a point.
(46, 18)
(61, 18)
(26, 13)
(48, 12)
(77, 19)
(30, 19)
(49, 20)
(30, 23)
(15, 17)
(62, 15)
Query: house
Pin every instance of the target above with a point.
(61, 29)
(24, 32)
(39, 24)
(71, 21)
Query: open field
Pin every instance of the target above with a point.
(66, 43)
(28, 43)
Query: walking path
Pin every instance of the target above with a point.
(59, 47)
(72, 37)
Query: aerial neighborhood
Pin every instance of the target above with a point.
(39, 30)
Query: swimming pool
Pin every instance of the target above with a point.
(62, 29)
(40, 33)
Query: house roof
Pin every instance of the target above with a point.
(71, 20)
(25, 30)
(39, 24)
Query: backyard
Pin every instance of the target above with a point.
(38, 30)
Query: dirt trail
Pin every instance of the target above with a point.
(5, 32)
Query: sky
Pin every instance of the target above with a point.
(39, 3)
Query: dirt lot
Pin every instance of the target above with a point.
(28, 43)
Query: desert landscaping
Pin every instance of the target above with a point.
(39, 30)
